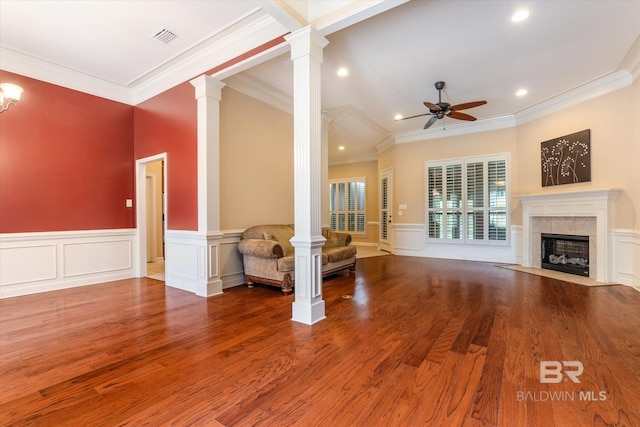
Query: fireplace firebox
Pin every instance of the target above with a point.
(566, 253)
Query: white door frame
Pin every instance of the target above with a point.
(140, 256)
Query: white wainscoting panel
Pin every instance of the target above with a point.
(182, 260)
(192, 261)
(410, 241)
(231, 266)
(47, 261)
(24, 264)
(408, 238)
(626, 257)
(517, 242)
(79, 258)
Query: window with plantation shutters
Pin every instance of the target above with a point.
(497, 190)
(384, 209)
(467, 200)
(347, 205)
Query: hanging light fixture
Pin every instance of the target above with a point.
(9, 95)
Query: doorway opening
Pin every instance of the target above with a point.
(151, 218)
(155, 219)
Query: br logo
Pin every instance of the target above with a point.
(553, 371)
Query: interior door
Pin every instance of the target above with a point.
(386, 210)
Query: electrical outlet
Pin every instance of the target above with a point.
(129, 203)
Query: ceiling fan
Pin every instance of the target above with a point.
(442, 109)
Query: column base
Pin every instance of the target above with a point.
(209, 289)
(308, 314)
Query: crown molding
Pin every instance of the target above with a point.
(484, 125)
(351, 111)
(243, 40)
(36, 68)
(261, 91)
(221, 48)
(594, 89)
(255, 59)
(602, 86)
(385, 144)
(353, 159)
(351, 14)
(254, 17)
(631, 61)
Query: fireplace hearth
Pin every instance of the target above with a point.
(565, 253)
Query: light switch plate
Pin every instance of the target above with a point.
(129, 203)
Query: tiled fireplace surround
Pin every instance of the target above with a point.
(583, 213)
(572, 226)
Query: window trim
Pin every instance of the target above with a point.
(346, 211)
(464, 161)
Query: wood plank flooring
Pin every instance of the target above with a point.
(422, 342)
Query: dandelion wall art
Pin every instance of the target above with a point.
(566, 160)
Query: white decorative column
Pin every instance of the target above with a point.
(306, 53)
(208, 93)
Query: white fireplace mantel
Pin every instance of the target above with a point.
(597, 203)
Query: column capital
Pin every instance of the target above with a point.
(207, 86)
(305, 41)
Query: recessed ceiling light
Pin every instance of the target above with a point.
(397, 117)
(521, 92)
(343, 72)
(341, 147)
(520, 15)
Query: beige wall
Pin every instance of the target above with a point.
(256, 163)
(410, 161)
(635, 172)
(612, 122)
(615, 145)
(257, 160)
(369, 170)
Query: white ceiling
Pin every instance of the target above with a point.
(395, 51)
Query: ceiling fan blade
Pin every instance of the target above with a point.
(412, 117)
(431, 121)
(467, 105)
(461, 116)
(432, 107)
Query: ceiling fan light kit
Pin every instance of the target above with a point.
(441, 109)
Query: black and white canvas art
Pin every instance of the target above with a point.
(566, 160)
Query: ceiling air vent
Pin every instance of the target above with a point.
(164, 35)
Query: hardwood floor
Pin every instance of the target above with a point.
(421, 342)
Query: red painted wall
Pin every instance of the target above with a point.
(66, 160)
(168, 123)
